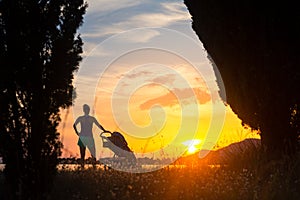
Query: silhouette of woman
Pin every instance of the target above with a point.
(86, 138)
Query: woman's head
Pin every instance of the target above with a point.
(86, 109)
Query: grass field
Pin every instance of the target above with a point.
(273, 181)
(254, 179)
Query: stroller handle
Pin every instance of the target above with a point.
(104, 132)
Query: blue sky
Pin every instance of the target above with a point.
(105, 18)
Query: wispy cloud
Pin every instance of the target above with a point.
(177, 7)
(102, 31)
(104, 6)
(136, 74)
(168, 14)
(155, 19)
(167, 79)
(91, 49)
(177, 96)
(140, 36)
(108, 17)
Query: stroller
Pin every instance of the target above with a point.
(116, 142)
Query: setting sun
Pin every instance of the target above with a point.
(192, 145)
(192, 149)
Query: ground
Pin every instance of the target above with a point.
(200, 182)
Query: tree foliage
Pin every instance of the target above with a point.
(255, 45)
(39, 52)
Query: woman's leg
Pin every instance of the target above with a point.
(92, 150)
(82, 155)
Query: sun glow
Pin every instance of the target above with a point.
(192, 145)
(191, 150)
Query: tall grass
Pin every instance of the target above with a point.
(272, 179)
(279, 179)
(262, 181)
(269, 180)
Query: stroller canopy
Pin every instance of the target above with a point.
(118, 139)
(116, 142)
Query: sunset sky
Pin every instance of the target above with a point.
(146, 74)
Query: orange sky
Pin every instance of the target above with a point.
(232, 132)
(158, 107)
